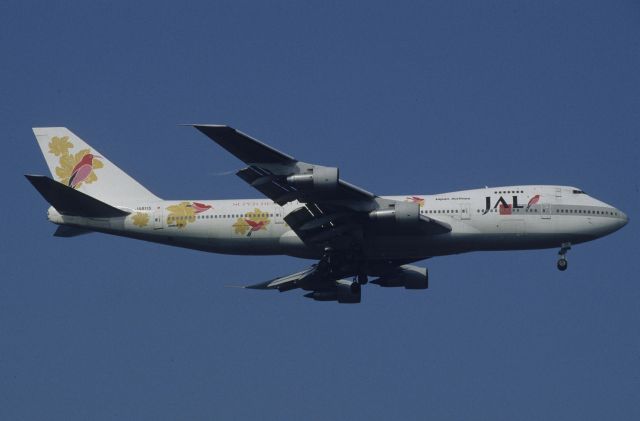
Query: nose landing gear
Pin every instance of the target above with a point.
(562, 262)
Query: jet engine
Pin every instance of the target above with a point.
(319, 179)
(408, 276)
(401, 213)
(346, 291)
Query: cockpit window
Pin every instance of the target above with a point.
(578, 192)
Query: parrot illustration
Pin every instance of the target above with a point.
(416, 199)
(255, 226)
(533, 201)
(82, 170)
(200, 207)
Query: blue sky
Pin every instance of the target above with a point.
(420, 97)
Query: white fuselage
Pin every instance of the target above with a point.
(500, 218)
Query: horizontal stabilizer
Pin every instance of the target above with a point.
(69, 201)
(69, 231)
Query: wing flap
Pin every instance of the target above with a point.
(284, 283)
(268, 184)
(316, 224)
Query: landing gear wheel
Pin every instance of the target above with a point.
(562, 264)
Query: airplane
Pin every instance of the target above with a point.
(310, 212)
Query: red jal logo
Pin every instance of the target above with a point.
(506, 208)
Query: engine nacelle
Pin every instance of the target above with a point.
(408, 276)
(402, 213)
(348, 291)
(322, 295)
(321, 179)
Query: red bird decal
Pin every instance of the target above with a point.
(416, 199)
(533, 201)
(200, 207)
(255, 226)
(82, 170)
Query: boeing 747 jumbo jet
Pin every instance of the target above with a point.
(310, 212)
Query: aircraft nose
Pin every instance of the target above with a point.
(620, 219)
(624, 217)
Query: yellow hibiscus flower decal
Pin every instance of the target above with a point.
(180, 215)
(79, 167)
(60, 145)
(251, 222)
(141, 219)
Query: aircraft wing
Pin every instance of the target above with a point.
(335, 212)
(281, 177)
(285, 283)
(329, 286)
(244, 147)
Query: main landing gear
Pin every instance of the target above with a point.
(343, 265)
(362, 279)
(562, 262)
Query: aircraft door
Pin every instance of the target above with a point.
(278, 215)
(465, 211)
(157, 218)
(545, 211)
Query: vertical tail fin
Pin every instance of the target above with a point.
(74, 163)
